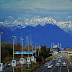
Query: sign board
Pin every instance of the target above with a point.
(32, 58)
(28, 60)
(70, 53)
(22, 60)
(24, 52)
(13, 62)
(1, 66)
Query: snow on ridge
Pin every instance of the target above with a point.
(22, 23)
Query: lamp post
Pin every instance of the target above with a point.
(39, 49)
(13, 49)
(0, 45)
(35, 49)
(51, 45)
(32, 47)
(22, 52)
(28, 48)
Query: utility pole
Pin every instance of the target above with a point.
(13, 49)
(0, 45)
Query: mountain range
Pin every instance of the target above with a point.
(45, 35)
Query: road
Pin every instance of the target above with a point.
(63, 58)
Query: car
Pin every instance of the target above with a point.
(45, 64)
(49, 66)
(59, 60)
(58, 64)
(64, 64)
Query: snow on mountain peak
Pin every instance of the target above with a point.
(22, 23)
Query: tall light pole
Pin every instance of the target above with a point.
(60, 45)
(39, 49)
(32, 47)
(35, 49)
(20, 39)
(22, 52)
(51, 44)
(13, 49)
(0, 45)
(28, 48)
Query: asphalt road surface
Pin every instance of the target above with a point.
(53, 62)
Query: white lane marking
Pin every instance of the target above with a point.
(52, 69)
(68, 70)
(44, 69)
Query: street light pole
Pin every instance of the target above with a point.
(39, 49)
(60, 45)
(0, 45)
(28, 49)
(22, 52)
(51, 45)
(35, 49)
(32, 48)
(13, 49)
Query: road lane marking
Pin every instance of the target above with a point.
(68, 70)
(52, 69)
(44, 69)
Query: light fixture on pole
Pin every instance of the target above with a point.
(32, 47)
(22, 52)
(39, 49)
(28, 59)
(13, 49)
(35, 49)
(0, 45)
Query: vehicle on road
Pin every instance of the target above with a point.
(49, 66)
(64, 64)
(45, 64)
(58, 64)
(59, 60)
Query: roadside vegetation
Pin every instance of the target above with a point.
(44, 56)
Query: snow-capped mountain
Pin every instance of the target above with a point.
(22, 23)
(40, 34)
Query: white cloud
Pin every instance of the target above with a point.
(69, 16)
(22, 23)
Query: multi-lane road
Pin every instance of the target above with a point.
(54, 68)
(61, 68)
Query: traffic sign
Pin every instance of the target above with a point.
(1, 66)
(13, 62)
(69, 53)
(28, 60)
(22, 60)
(32, 58)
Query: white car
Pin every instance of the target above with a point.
(58, 64)
(64, 64)
(59, 60)
(45, 64)
(50, 66)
